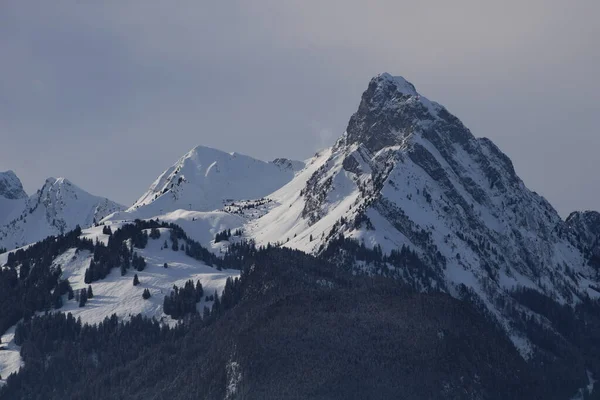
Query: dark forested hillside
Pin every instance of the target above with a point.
(293, 327)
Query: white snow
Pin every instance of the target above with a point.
(205, 179)
(10, 359)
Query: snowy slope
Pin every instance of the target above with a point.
(198, 225)
(59, 206)
(116, 294)
(206, 179)
(10, 358)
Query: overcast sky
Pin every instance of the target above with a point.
(110, 93)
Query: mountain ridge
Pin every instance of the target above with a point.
(57, 207)
(205, 179)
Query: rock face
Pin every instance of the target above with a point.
(12, 195)
(59, 206)
(585, 226)
(10, 186)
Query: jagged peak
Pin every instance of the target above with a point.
(586, 216)
(390, 109)
(11, 186)
(53, 184)
(58, 181)
(402, 85)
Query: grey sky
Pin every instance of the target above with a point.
(110, 93)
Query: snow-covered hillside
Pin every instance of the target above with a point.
(116, 294)
(206, 179)
(59, 206)
(202, 226)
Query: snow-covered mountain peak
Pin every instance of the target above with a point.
(58, 206)
(390, 110)
(205, 179)
(402, 85)
(60, 182)
(10, 186)
(408, 173)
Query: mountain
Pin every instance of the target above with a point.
(407, 174)
(11, 187)
(205, 179)
(409, 224)
(12, 195)
(59, 206)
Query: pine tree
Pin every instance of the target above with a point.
(216, 308)
(166, 265)
(199, 291)
(58, 302)
(136, 280)
(90, 293)
(167, 305)
(19, 334)
(146, 294)
(138, 262)
(88, 274)
(154, 233)
(82, 297)
(24, 271)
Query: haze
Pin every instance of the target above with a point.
(109, 94)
